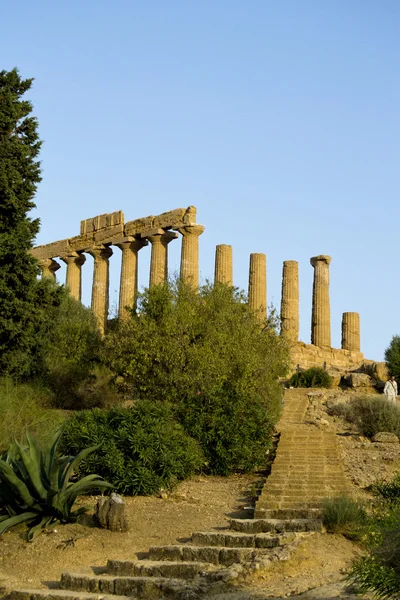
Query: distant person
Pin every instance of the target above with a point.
(390, 389)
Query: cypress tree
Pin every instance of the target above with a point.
(24, 300)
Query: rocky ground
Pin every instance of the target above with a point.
(315, 570)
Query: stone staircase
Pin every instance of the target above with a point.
(306, 469)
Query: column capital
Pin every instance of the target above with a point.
(159, 236)
(103, 252)
(320, 258)
(194, 230)
(49, 266)
(77, 258)
(131, 243)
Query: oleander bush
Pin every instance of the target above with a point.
(206, 354)
(310, 378)
(140, 449)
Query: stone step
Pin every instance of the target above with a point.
(46, 594)
(215, 555)
(275, 525)
(235, 539)
(135, 587)
(163, 568)
(287, 513)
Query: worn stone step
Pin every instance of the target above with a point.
(275, 525)
(214, 555)
(235, 539)
(134, 587)
(46, 594)
(163, 568)
(287, 513)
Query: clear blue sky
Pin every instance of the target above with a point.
(279, 120)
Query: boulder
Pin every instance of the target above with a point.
(384, 437)
(356, 380)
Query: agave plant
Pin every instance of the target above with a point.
(36, 486)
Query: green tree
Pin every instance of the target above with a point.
(392, 357)
(205, 353)
(23, 299)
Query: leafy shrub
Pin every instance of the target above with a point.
(370, 575)
(141, 449)
(372, 414)
(389, 491)
(23, 407)
(313, 377)
(36, 486)
(206, 354)
(344, 515)
(392, 356)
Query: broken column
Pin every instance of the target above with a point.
(74, 262)
(100, 287)
(290, 300)
(190, 254)
(159, 240)
(258, 285)
(321, 314)
(49, 267)
(129, 274)
(223, 264)
(351, 331)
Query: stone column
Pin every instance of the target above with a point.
(258, 285)
(101, 279)
(351, 331)
(321, 314)
(49, 267)
(129, 274)
(159, 240)
(74, 262)
(190, 254)
(290, 300)
(223, 264)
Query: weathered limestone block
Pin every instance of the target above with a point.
(108, 234)
(384, 437)
(223, 264)
(101, 282)
(190, 254)
(376, 370)
(49, 267)
(190, 216)
(258, 285)
(321, 315)
(138, 226)
(170, 219)
(129, 273)
(351, 331)
(102, 222)
(307, 355)
(110, 513)
(51, 250)
(290, 300)
(357, 380)
(79, 243)
(74, 262)
(159, 240)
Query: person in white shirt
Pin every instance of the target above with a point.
(390, 389)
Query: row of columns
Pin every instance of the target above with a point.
(290, 322)
(320, 318)
(129, 247)
(189, 272)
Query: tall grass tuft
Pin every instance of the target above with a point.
(24, 406)
(344, 516)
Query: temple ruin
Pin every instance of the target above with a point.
(99, 235)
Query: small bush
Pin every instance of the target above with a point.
(141, 449)
(310, 378)
(372, 414)
(344, 515)
(389, 491)
(26, 407)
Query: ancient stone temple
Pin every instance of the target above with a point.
(101, 235)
